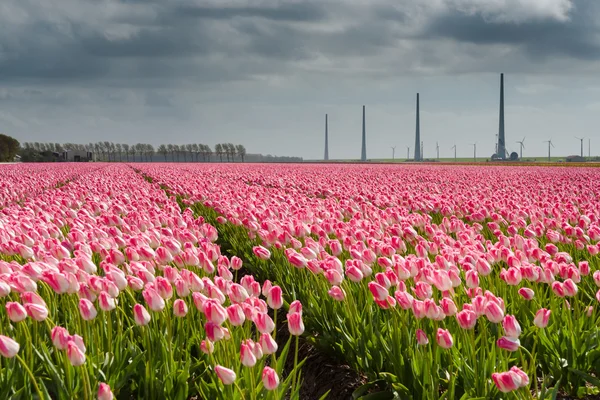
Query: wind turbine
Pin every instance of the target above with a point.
(454, 147)
(437, 147)
(408, 152)
(393, 152)
(581, 140)
(522, 147)
(549, 144)
(474, 151)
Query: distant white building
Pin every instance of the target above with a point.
(77, 156)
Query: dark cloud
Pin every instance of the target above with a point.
(289, 12)
(578, 37)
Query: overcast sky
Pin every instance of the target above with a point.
(264, 73)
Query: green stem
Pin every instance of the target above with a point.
(35, 385)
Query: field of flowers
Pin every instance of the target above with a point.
(175, 281)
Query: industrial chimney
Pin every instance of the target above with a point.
(363, 154)
(417, 135)
(326, 158)
(501, 142)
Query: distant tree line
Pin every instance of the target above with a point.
(9, 148)
(109, 151)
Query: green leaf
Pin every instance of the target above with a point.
(590, 379)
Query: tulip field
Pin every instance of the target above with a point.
(202, 281)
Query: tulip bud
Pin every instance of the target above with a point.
(268, 344)
(422, 339)
(527, 293)
(140, 315)
(60, 337)
(337, 293)
(275, 298)
(466, 319)
(542, 318)
(180, 309)
(75, 355)
(247, 357)
(444, 338)
(270, 378)
(226, 375)
(8, 347)
(104, 392)
(295, 324)
(509, 343)
(87, 310)
(511, 327)
(15, 311)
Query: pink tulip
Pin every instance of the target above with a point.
(558, 288)
(466, 319)
(235, 314)
(15, 311)
(140, 315)
(214, 332)
(36, 311)
(270, 378)
(87, 310)
(247, 356)
(104, 392)
(207, 347)
(522, 375)
(506, 381)
(422, 339)
(268, 344)
(8, 347)
(378, 291)
(106, 302)
(236, 263)
(511, 326)
(60, 337)
(337, 293)
(274, 298)
(153, 300)
(542, 317)
(295, 307)
(261, 252)
(295, 324)
(570, 288)
(354, 274)
(214, 312)
(163, 288)
(264, 323)
(509, 343)
(448, 306)
(75, 355)
(527, 293)
(237, 293)
(225, 375)
(180, 309)
(493, 312)
(472, 279)
(444, 338)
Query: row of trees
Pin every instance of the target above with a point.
(108, 151)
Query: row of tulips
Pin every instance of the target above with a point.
(19, 181)
(108, 290)
(467, 295)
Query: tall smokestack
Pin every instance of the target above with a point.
(363, 154)
(326, 141)
(418, 135)
(501, 142)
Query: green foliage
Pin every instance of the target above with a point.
(9, 148)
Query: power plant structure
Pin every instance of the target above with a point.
(326, 157)
(363, 154)
(418, 143)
